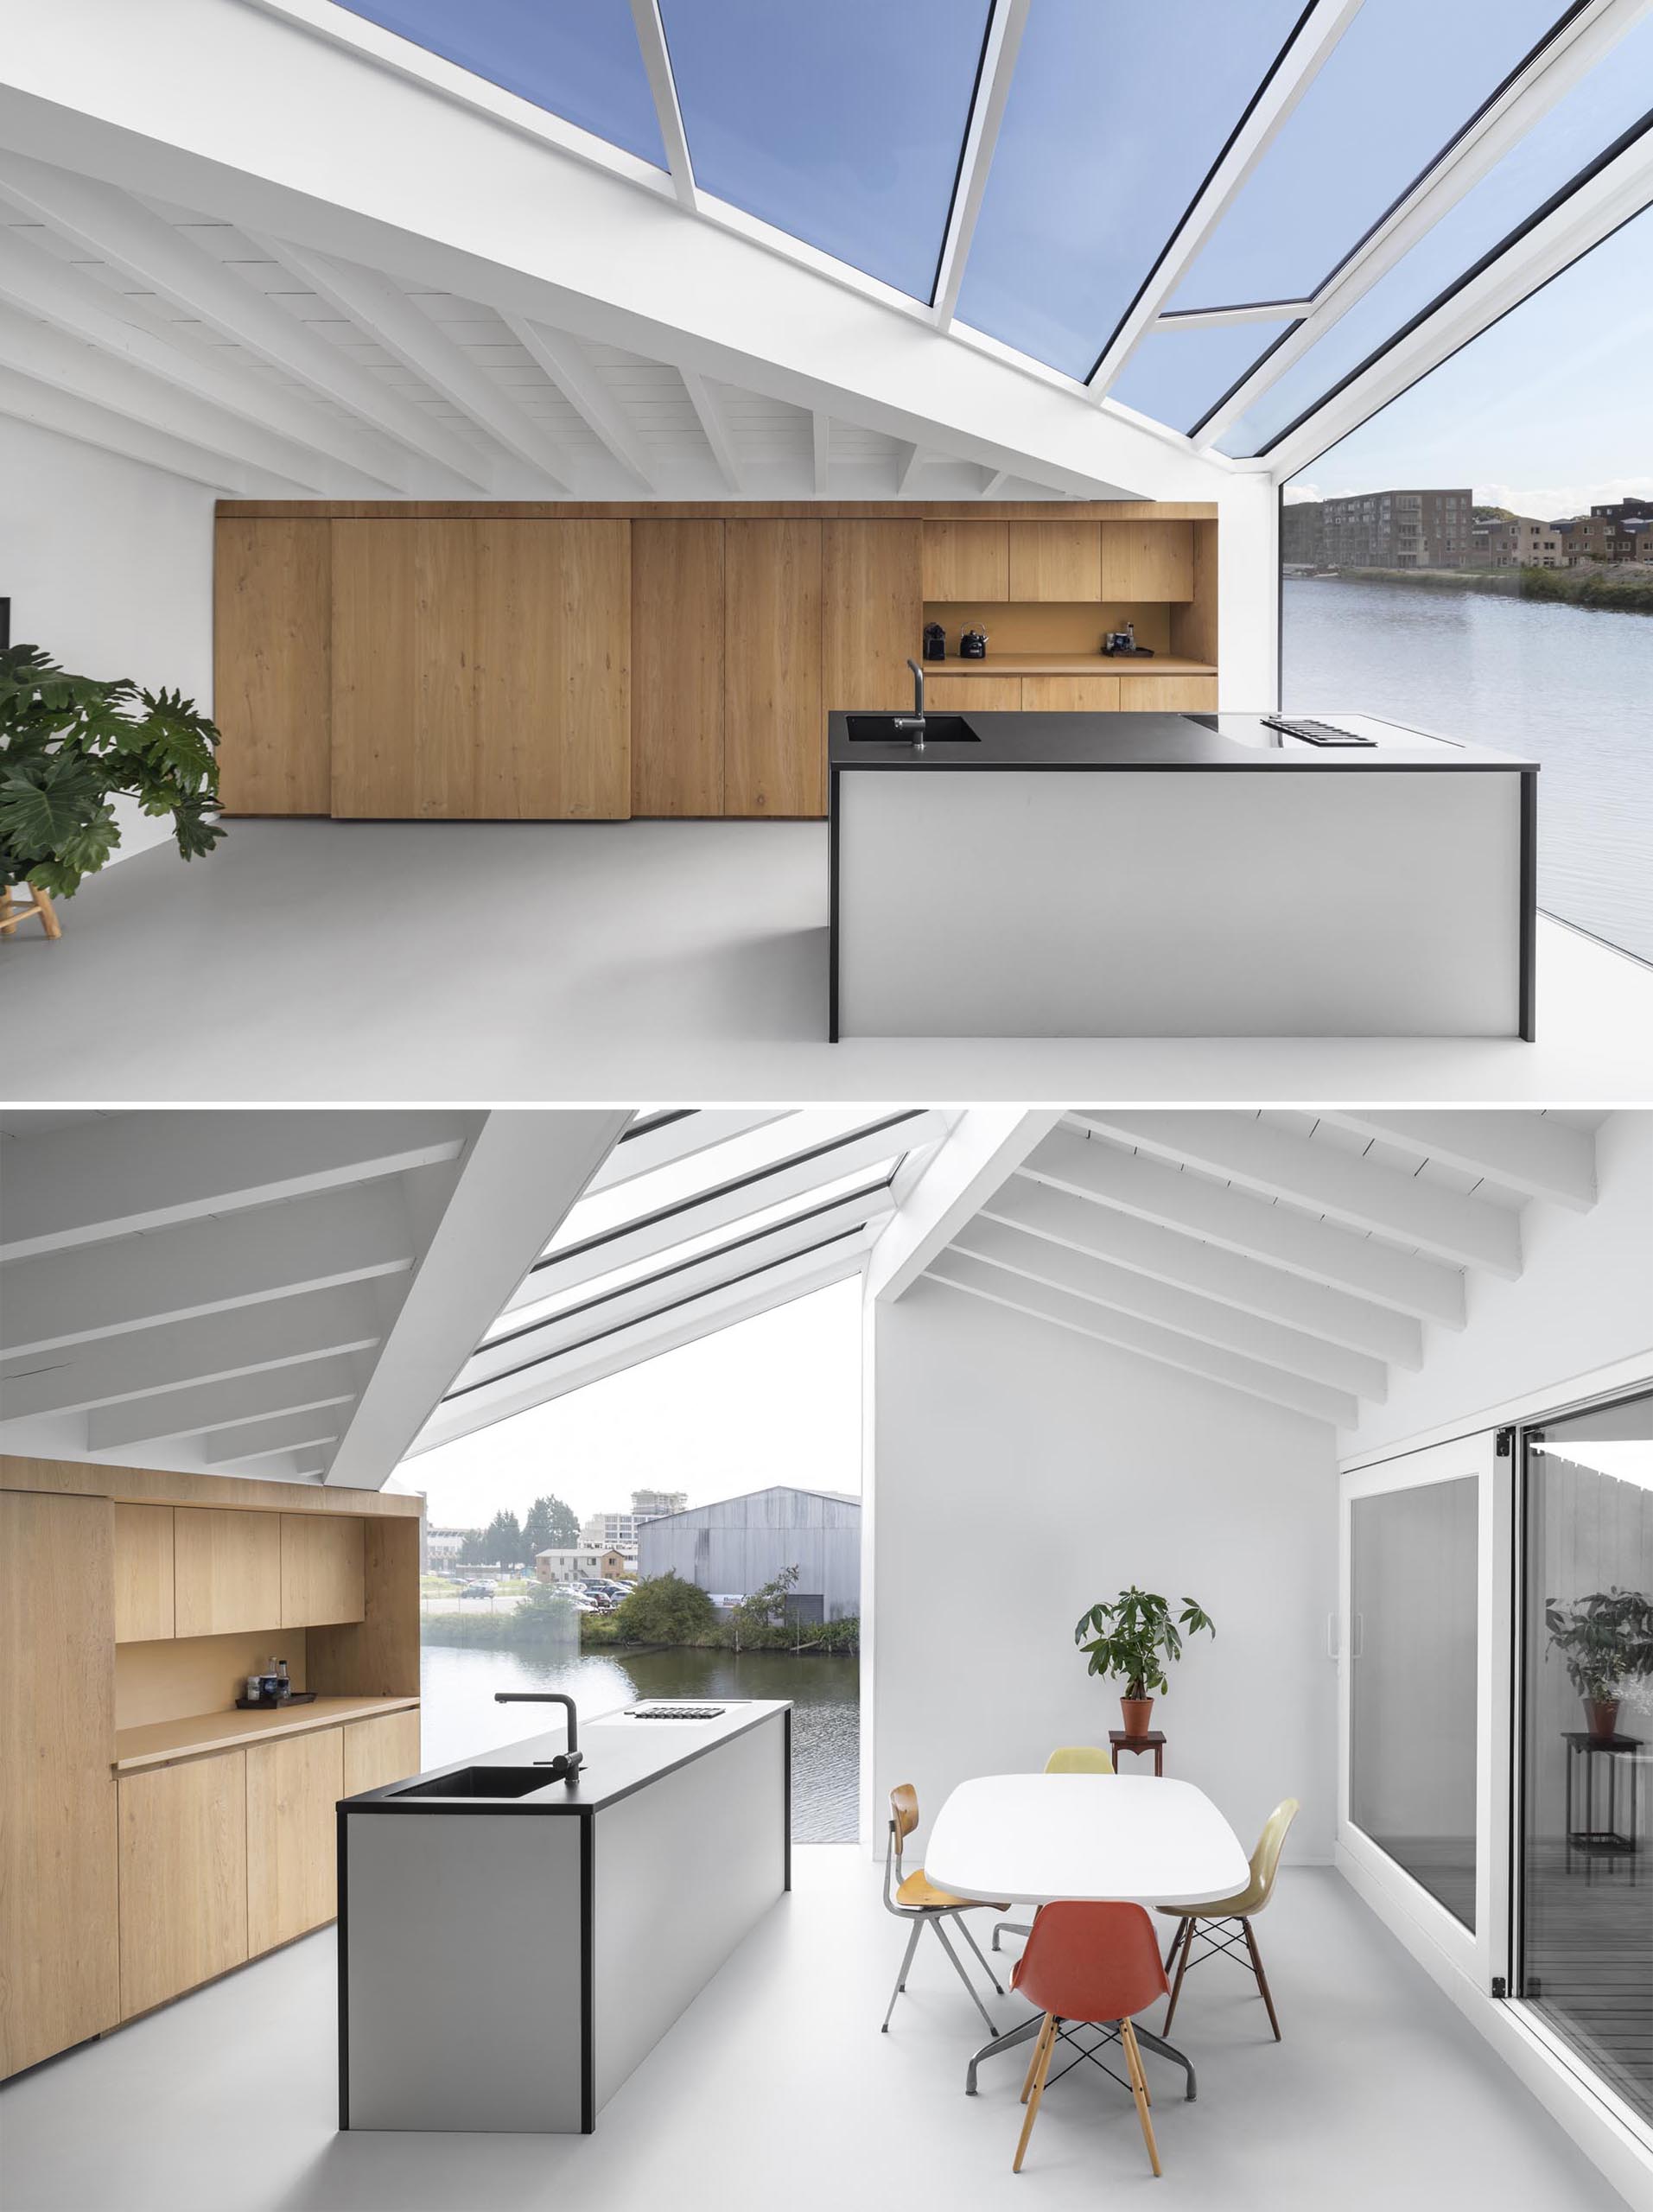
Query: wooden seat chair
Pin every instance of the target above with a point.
(916, 1899)
(1089, 1965)
(42, 910)
(1215, 1923)
(1066, 1758)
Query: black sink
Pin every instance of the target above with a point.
(939, 729)
(482, 1782)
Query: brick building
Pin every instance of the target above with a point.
(1400, 530)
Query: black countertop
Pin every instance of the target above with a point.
(1137, 740)
(621, 1754)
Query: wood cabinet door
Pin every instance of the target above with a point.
(322, 1575)
(183, 1877)
(553, 671)
(987, 693)
(676, 668)
(1055, 560)
(1070, 695)
(273, 633)
(966, 560)
(1148, 560)
(143, 1608)
(1174, 695)
(59, 1905)
(872, 615)
(404, 686)
(227, 1570)
(382, 1750)
(774, 731)
(294, 1785)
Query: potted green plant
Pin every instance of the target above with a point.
(1133, 1638)
(1605, 1640)
(70, 744)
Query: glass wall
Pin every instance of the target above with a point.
(1585, 1890)
(1412, 1734)
(1476, 560)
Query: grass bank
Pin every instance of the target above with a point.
(1622, 591)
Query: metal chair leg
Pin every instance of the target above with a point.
(1262, 1978)
(900, 1979)
(1182, 1968)
(958, 1968)
(963, 1930)
(1009, 1928)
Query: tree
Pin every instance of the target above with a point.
(550, 1526)
(502, 1539)
(664, 1609)
(759, 1617)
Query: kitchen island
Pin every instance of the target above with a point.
(1033, 874)
(514, 1943)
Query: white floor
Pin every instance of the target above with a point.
(490, 961)
(777, 2089)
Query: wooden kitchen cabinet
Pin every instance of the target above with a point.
(873, 616)
(774, 729)
(966, 560)
(1055, 560)
(676, 668)
(1147, 560)
(987, 693)
(294, 1785)
(227, 1570)
(1070, 695)
(272, 628)
(385, 1749)
(144, 1601)
(404, 687)
(322, 1575)
(1171, 695)
(183, 1876)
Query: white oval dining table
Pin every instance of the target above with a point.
(1039, 1838)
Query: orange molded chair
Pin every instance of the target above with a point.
(1095, 1965)
(916, 1899)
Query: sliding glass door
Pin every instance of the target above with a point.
(1585, 1887)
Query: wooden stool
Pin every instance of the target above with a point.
(1153, 1741)
(10, 916)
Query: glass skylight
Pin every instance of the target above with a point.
(1178, 376)
(1404, 79)
(581, 61)
(1115, 117)
(1611, 100)
(840, 124)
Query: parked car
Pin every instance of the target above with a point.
(575, 1596)
(477, 1590)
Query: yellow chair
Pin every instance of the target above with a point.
(916, 1899)
(1213, 1923)
(1066, 1758)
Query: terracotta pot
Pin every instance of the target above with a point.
(1138, 1712)
(1602, 1713)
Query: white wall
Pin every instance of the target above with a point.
(1247, 594)
(1583, 1301)
(108, 564)
(1019, 1473)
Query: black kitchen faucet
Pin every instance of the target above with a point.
(567, 1764)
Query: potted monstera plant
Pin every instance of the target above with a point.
(1605, 1641)
(70, 745)
(1133, 1637)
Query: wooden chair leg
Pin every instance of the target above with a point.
(1139, 2090)
(1176, 1944)
(1049, 2044)
(47, 912)
(1039, 2052)
(5, 907)
(1262, 1978)
(1182, 1967)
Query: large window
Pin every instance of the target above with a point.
(1585, 1893)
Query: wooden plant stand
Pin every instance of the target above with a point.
(10, 915)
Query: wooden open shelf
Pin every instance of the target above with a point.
(1070, 664)
(160, 1742)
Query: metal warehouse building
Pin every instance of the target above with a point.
(734, 1546)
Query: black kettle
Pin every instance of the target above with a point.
(972, 645)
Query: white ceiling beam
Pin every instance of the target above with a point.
(257, 1440)
(662, 87)
(140, 1171)
(820, 449)
(681, 1138)
(1124, 1332)
(521, 1172)
(298, 1388)
(645, 1340)
(564, 361)
(113, 227)
(908, 457)
(993, 482)
(715, 431)
(208, 1349)
(204, 1266)
(562, 1271)
(1185, 1263)
(386, 313)
(1575, 50)
(1003, 43)
(1534, 1154)
(283, 429)
(1298, 67)
(985, 1144)
(1465, 1232)
(1223, 318)
(1190, 1315)
(29, 399)
(1241, 1222)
